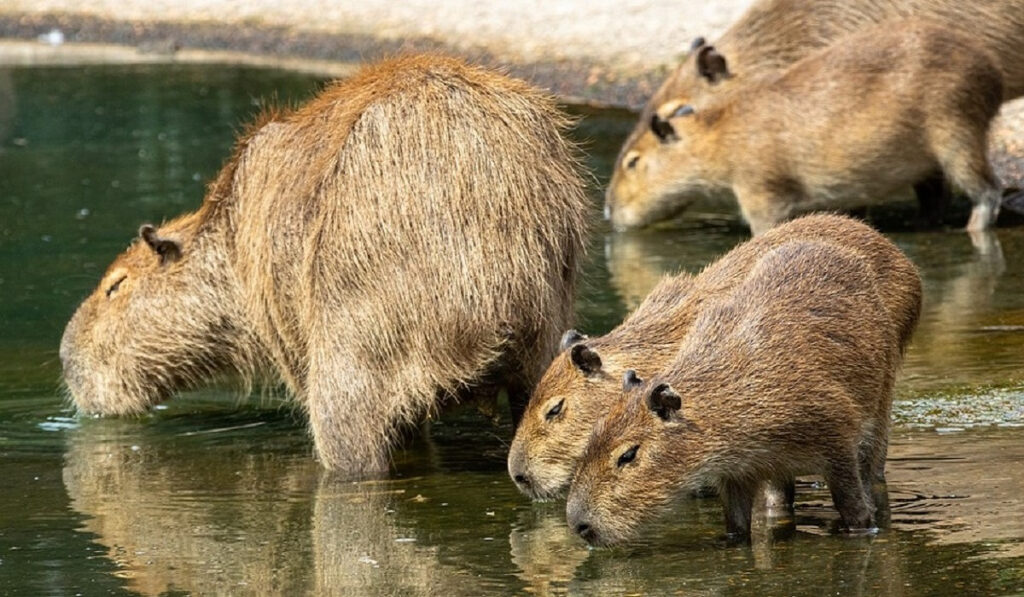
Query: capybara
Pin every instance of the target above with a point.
(584, 381)
(847, 126)
(773, 34)
(791, 374)
(409, 234)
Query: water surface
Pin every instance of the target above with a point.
(212, 494)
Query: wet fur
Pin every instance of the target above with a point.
(877, 111)
(791, 374)
(411, 233)
(546, 452)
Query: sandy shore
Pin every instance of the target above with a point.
(626, 34)
(603, 51)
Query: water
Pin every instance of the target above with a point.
(217, 495)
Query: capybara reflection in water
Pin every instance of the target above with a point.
(584, 381)
(411, 233)
(791, 374)
(884, 108)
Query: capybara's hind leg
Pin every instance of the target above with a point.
(873, 451)
(844, 483)
(965, 164)
(351, 430)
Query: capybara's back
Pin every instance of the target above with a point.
(410, 233)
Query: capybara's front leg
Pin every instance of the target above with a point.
(779, 497)
(350, 432)
(763, 210)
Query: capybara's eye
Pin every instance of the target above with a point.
(684, 110)
(628, 456)
(113, 287)
(555, 410)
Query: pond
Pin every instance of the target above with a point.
(213, 494)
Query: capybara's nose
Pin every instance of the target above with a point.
(521, 480)
(585, 531)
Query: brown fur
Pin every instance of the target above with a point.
(773, 34)
(544, 453)
(411, 232)
(791, 374)
(875, 112)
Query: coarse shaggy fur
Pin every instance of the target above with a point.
(411, 233)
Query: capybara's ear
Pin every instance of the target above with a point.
(169, 250)
(664, 401)
(711, 65)
(697, 43)
(569, 339)
(630, 380)
(662, 129)
(585, 359)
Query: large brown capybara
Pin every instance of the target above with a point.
(791, 374)
(411, 233)
(877, 111)
(584, 381)
(773, 34)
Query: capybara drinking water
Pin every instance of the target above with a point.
(773, 34)
(411, 233)
(791, 374)
(877, 111)
(584, 381)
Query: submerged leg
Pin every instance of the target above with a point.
(356, 417)
(933, 198)
(848, 495)
(779, 497)
(737, 503)
(963, 159)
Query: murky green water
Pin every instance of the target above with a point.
(210, 496)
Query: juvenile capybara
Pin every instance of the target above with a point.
(773, 34)
(791, 374)
(584, 381)
(877, 111)
(409, 234)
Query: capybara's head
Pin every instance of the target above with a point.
(575, 392)
(160, 319)
(633, 465)
(664, 172)
(655, 176)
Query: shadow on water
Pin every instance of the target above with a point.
(210, 496)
